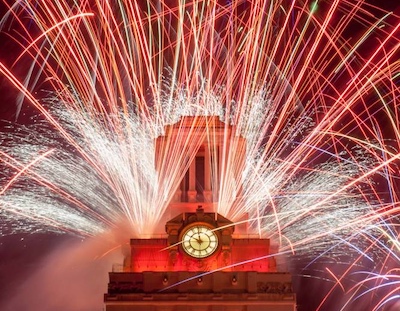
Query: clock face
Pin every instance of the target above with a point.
(199, 241)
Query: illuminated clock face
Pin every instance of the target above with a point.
(199, 241)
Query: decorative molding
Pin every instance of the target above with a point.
(274, 287)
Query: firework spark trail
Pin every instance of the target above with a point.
(320, 174)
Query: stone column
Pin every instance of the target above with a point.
(208, 197)
(192, 193)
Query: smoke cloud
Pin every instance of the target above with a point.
(73, 277)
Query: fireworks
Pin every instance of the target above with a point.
(312, 89)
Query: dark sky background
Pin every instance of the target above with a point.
(38, 265)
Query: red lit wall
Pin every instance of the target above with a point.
(154, 255)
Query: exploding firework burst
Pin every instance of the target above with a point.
(311, 87)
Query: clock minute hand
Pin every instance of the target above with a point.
(199, 240)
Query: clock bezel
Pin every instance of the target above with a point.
(184, 249)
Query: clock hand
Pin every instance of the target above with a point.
(199, 240)
(196, 241)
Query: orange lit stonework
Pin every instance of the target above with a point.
(203, 261)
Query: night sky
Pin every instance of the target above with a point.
(27, 261)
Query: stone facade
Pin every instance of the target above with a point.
(240, 275)
(200, 291)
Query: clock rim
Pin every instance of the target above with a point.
(198, 224)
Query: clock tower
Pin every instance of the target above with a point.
(203, 261)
